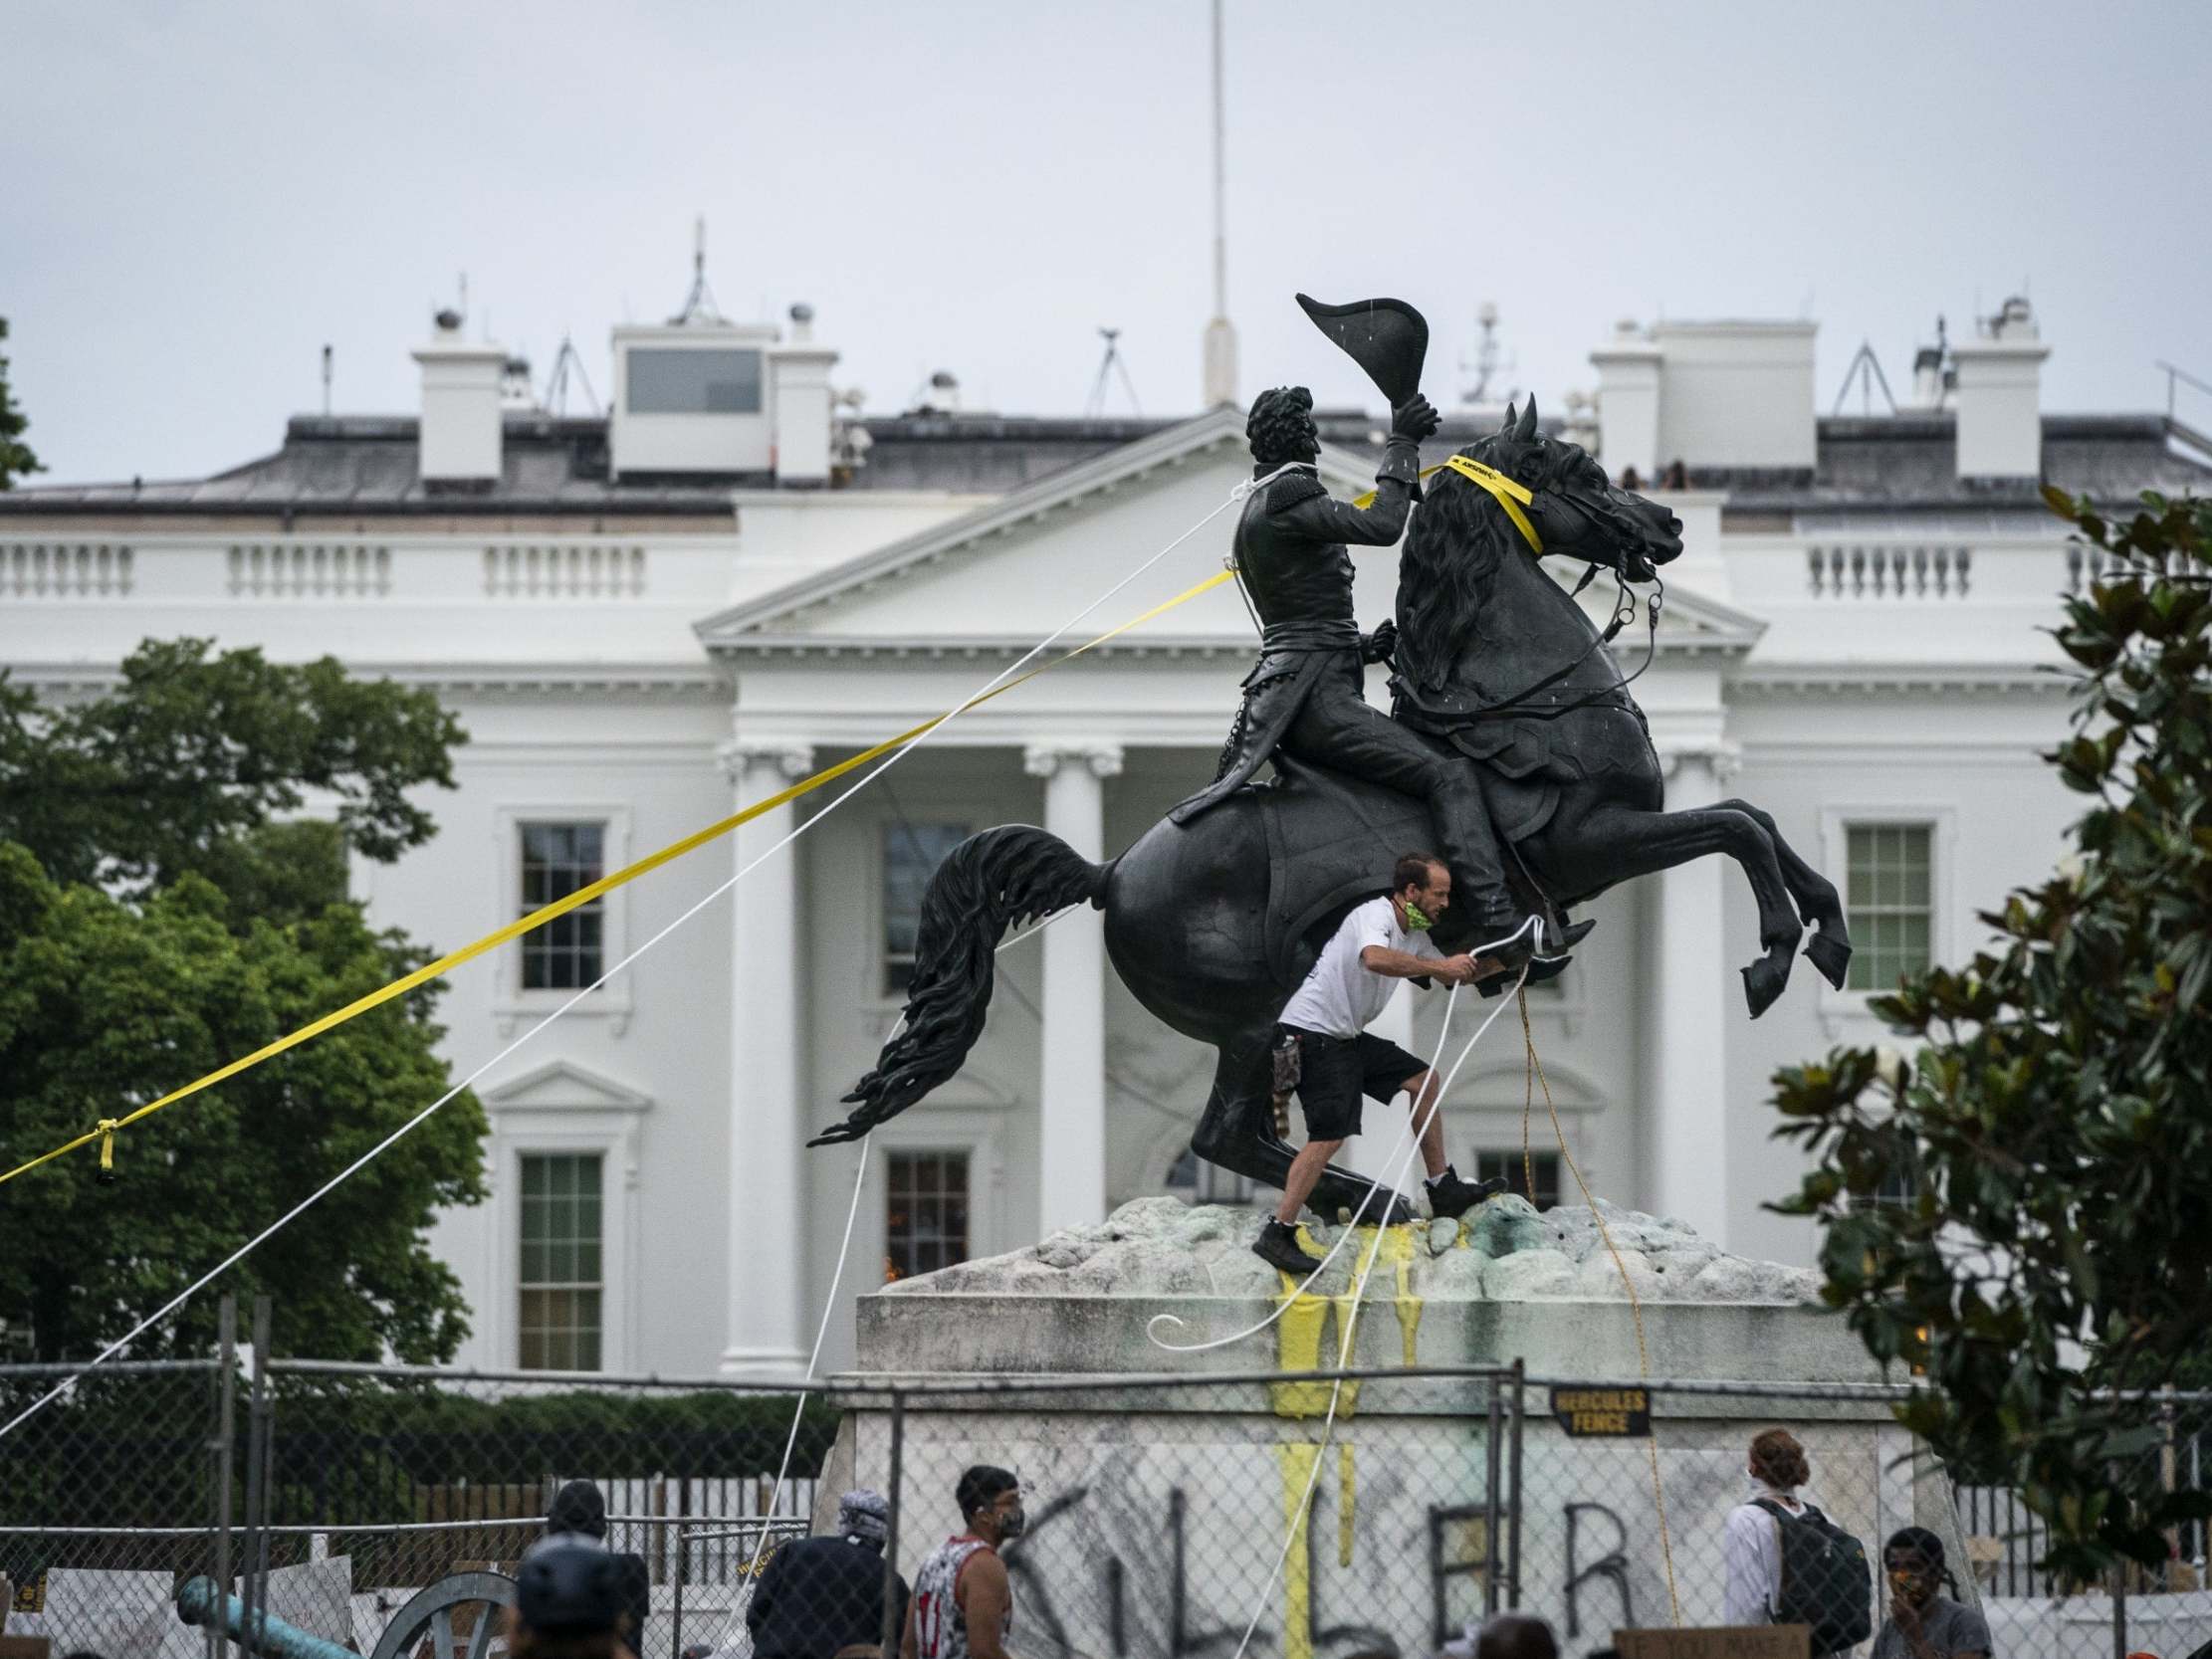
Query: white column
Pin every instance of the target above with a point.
(767, 1334)
(1692, 984)
(1072, 1134)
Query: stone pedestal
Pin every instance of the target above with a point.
(1370, 1520)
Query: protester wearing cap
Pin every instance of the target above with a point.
(818, 1595)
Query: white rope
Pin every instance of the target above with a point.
(1395, 1162)
(1347, 1326)
(813, 1359)
(1391, 1160)
(836, 1277)
(1235, 495)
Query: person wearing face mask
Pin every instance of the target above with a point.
(1786, 1562)
(1923, 1622)
(1325, 1052)
(963, 1606)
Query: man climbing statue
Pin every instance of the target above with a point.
(1307, 694)
(1324, 1052)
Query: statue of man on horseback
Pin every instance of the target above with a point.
(1515, 745)
(1307, 694)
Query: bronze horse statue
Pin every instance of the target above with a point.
(1212, 924)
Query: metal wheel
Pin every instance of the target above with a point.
(430, 1613)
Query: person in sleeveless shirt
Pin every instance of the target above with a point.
(963, 1606)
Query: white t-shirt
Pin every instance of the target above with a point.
(1341, 997)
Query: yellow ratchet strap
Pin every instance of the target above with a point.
(1509, 494)
(105, 1130)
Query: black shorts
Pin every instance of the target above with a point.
(1334, 1072)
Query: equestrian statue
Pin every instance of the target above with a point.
(1515, 748)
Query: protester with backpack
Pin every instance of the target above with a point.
(1787, 1562)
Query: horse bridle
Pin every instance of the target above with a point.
(1513, 496)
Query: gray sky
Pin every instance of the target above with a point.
(198, 196)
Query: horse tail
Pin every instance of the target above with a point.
(998, 879)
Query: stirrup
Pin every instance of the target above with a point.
(1544, 954)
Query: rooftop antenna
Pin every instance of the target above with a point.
(325, 382)
(566, 361)
(1220, 364)
(698, 304)
(1486, 362)
(1107, 365)
(1866, 368)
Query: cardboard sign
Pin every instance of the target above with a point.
(1602, 1413)
(26, 1647)
(1722, 1641)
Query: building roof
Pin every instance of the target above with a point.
(1887, 462)
(558, 466)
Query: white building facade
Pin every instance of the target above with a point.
(648, 620)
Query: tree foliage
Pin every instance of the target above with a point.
(2054, 1129)
(170, 773)
(16, 459)
(157, 921)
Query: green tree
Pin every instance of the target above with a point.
(16, 457)
(2054, 1258)
(173, 771)
(159, 919)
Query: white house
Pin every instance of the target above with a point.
(646, 619)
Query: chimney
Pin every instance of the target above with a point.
(1999, 396)
(460, 430)
(801, 376)
(1628, 403)
(1737, 395)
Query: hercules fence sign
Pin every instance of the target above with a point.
(1602, 1413)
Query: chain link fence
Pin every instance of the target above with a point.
(1321, 1515)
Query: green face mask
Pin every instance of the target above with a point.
(1417, 921)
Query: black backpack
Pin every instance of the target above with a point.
(1826, 1584)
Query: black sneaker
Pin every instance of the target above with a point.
(1277, 1246)
(1449, 1197)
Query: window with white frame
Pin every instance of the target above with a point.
(1516, 1172)
(911, 854)
(925, 1212)
(563, 1292)
(1888, 902)
(567, 952)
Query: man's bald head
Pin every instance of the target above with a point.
(1515, 1636)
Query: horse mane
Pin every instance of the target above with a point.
(1446, 570)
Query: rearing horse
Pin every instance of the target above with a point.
(1212, 924)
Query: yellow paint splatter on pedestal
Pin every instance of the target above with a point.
(1298, 1463)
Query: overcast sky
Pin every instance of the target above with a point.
(195, 197)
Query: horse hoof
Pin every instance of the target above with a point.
(1763, 981)
(1831, 956)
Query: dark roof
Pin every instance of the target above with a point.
(1885, 464)
(558, 466)
(368, 464)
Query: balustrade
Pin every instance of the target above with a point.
(64, 570)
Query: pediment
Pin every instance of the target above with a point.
(1011, 569)
(1011, 572)
(563, 1086)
